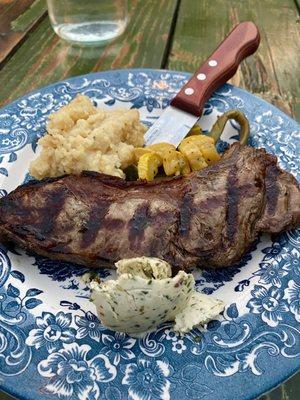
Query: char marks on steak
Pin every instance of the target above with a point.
(208, 218)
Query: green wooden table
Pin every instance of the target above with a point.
(171, 34)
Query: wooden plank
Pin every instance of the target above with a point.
(289, 390)
(273, 72)
(17, 17)
(50, 59)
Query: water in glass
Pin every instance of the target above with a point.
(89, 21)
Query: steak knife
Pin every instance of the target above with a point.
(186, 107)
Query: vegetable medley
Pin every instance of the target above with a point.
(195, 152)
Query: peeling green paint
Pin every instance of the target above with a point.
(25, 20)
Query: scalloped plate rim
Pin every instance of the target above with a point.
(94, 75)
(119, 70)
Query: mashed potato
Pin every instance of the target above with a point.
(82, 137)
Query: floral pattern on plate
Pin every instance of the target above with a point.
(49, 329)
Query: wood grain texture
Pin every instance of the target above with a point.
(273, 72)
(28, 12)
(44, 58)
(289, 390)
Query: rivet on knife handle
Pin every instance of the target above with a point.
(242, 41)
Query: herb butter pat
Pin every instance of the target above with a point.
(145, 295)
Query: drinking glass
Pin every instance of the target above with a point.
(88, 22)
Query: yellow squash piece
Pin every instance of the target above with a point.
(148, 166)
(199, 139)
(138, 152)
(205, 145)
(161, 148)
(175, 163)
(193, 154)
(158, 148)
(210, 154)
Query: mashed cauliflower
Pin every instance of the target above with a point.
(82, 137)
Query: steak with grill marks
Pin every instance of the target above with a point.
(208, 218)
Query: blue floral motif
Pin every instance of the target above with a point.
(231, 329)
(292, 261)
(222, 146)
(228, 355)
(220, 275)
(139, 80)
(179, 346)
(154, 94)
(285, 164)
(61, 271)
(162, 86)
(223, 275)
(292, 294)
(15, 355)
(271, 273)
(239, 342)
(8, 121)
(149, 102)
(70, 373)
(220, 101)
(147, 379)
(269, 303)
(5, 265)
(118, 347)
(273, 252)
(89, 325)
(185, 383)
(36, 104)
(58, 270)
(169, 334)
(208, 108)
(14, 140)
(269, 121)
(52, 331)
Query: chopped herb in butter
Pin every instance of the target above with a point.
(145, 295)
(145, 267)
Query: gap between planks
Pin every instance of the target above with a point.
(171, 36)
(25, 32)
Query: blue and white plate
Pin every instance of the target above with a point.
(53, 346)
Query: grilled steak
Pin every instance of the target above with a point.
(208, 218)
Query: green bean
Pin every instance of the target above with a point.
(239, 117)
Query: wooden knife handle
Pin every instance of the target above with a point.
(241, 42)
